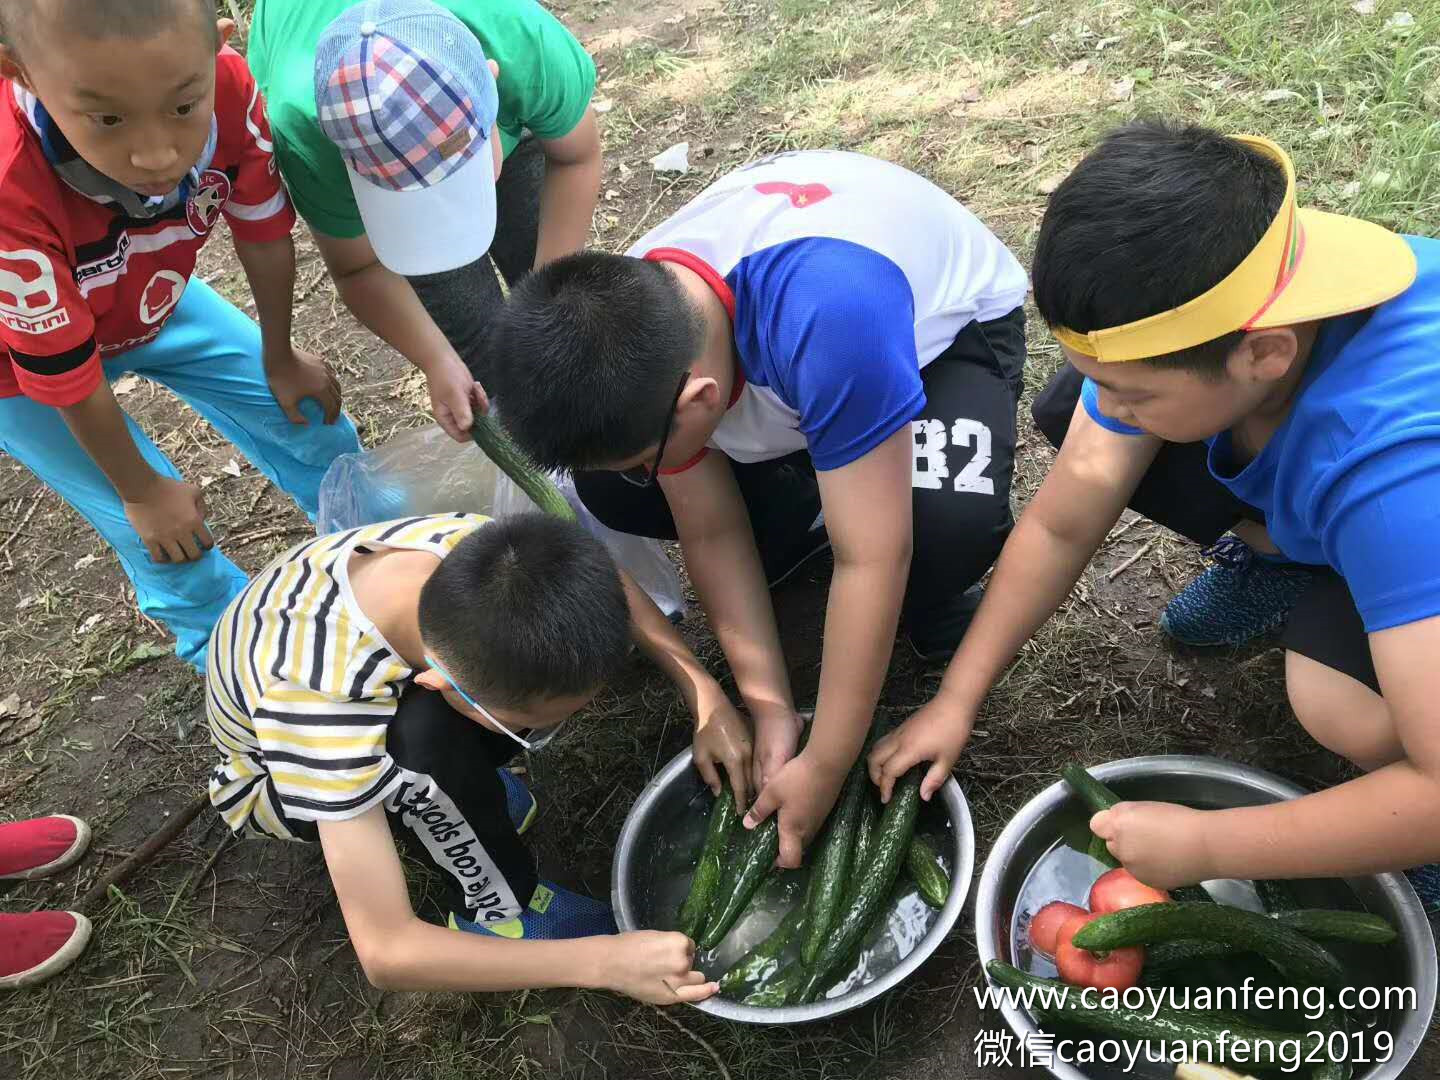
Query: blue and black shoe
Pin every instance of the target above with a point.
(1243, 596)
(554, 914)
(519, 801)
(1426, 882)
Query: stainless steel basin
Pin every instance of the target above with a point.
(670, 794)
(1206, 783)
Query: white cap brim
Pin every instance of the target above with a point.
(434, 229)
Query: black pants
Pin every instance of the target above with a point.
(1179, 492)
(463, 301)
(964, 461)
(449, 810)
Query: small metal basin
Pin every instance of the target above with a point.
(1205, 783)
(674, 793)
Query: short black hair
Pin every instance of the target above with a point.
(1156, 215)
(97, 19)
(585, 355)
(527, 608)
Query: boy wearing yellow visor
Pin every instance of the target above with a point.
(1237, 359)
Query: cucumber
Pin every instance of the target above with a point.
(1170, 956)
(829, 878)
(514, 463)
(779, 990)
(1096, 796)
(764, 957)
(930, 877)
(1320, 925)
(706, 881)
(892, 840)
(865, 833)
(1054, 1001)
(750, 862)
(1297, 956)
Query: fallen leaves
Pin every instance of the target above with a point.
(1121, 89)
(1050, 183)
(1270, 97)
(126, 384)
(18, 719)
(674, 159)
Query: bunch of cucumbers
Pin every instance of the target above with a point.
(855, 865)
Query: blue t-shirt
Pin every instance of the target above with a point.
(844, 276)
(1352, 477)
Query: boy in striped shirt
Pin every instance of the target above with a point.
(370, 684)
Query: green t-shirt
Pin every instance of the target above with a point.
(546, 82)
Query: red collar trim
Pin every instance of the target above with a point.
(717, 284)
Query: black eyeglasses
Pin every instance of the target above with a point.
(646, 477)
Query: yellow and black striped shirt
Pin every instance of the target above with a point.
(301, 686)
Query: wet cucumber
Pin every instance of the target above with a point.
(865, 832)
(752, 859)
(892, 840)
(1053, 1000)
(1170, 956)
(1096, 796)
(1321, 925)
(709, 867)
(929, 876)
(1275, 896)
(779, 990)
(513, 462)
(765, 956)
(830, 876)
(1297, 956)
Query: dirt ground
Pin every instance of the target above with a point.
(228, 959)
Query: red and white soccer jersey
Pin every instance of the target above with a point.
(80, 280)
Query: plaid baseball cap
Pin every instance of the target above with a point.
(403, 90)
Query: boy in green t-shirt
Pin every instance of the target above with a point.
(499, 77)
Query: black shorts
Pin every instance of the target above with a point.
(1179, 492)
(1325, 626)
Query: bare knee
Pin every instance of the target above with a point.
(1342, 714)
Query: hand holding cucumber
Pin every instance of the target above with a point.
(1162, 844)
(801, 796)
(937, 733)
(722, 738)
(655, 967)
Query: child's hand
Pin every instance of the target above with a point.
(656, 967)
(455, 397)
(169, 515)
(777, 733)
(802, 794)
(723, 738)
(301, 375)
(1162, 844)
(936, 733)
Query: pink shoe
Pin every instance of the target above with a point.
(39, 944)
(32, 849)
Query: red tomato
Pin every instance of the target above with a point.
(1119, 889)
(1119, 969)
(1045, 925)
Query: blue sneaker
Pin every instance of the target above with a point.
(1426, 882)
(554, 914)
(1239, 598)
(519, 801)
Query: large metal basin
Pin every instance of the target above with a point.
(672, 792)
(1205, 783)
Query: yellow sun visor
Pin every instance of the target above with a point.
(1308, 265)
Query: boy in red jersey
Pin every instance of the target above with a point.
(126, 132)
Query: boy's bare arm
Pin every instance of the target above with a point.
(1092, 479)
(168, 514)
(573, 165)
(293, 374)
(386, 305)
(868, 516)
(1385, 820)
(400, 952)
(721, 735)
(724, 565)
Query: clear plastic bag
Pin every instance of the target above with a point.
(424, 471)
